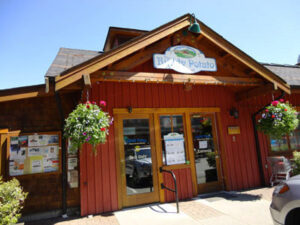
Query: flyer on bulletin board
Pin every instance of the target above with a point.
(35, 153)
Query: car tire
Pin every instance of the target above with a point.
(293, 217)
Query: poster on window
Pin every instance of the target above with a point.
(174, 146)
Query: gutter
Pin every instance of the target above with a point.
(63, 153)
(258, 151)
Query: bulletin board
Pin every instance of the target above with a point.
(34, 153)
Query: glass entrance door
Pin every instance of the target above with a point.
(206, 152)
(138, 161)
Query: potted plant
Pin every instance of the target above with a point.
(88, 123)
(278, 119)
(211, 173)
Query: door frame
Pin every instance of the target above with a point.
(155, 112)
(143, 198)
(216, 185)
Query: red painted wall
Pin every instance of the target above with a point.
(253, 105)
(184, 184)
(98, 180)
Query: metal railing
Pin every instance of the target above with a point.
(161, 170)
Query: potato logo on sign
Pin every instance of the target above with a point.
(184, 59)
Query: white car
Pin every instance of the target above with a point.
(285, 206)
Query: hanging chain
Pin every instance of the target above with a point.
(272, 96)
(87, 95)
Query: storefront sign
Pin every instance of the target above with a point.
(184, 59)
(174, 145)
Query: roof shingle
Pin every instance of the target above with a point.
(67, 58)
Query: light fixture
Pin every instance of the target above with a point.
(195, 27)
(234, 112)
(129, 108)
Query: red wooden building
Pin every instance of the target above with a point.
(181, 101)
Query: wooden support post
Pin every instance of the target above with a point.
(47, 85)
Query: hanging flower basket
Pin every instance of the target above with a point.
(88, 123)
(278, 119)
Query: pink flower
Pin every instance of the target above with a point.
(102, 103)
(267, 110)
(94, 103)
(103, 129)
(88, 102)
(275, 103)
(281, 100)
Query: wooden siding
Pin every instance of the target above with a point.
(184, 184)
(241, 169)
(38, 115)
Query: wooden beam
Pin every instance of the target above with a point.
(174, 78)
(47, 85)
(121, 52)
(142, 56)
(220, 59)
(241, 96)
(242, 57)
(23, 93)
(87, 80)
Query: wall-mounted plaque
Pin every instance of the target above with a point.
(234, 130)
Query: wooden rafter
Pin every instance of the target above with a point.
(22, 93)
(242, 57)
(221, 60)
(142, 56)
(124, 50)
(74, 74)
(241, 96)
(174, 78)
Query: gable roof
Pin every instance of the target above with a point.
(67, 58)
(114, 31)
(75, 73)
(289, 73)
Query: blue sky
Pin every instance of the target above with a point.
(32, 31)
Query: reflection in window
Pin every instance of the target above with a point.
(138, 162)
(287, 143)
(204, 150)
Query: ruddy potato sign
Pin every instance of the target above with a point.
(184, 59)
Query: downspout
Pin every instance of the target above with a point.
(258, 152)
(63, 154)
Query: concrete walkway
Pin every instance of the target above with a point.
(223, 208)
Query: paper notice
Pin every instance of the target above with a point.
(203, 144)
(72, 163)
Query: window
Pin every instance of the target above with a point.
(173, 139)
(287, 143)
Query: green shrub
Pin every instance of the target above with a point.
(12, 198)
(296, 163)
(211, 159)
